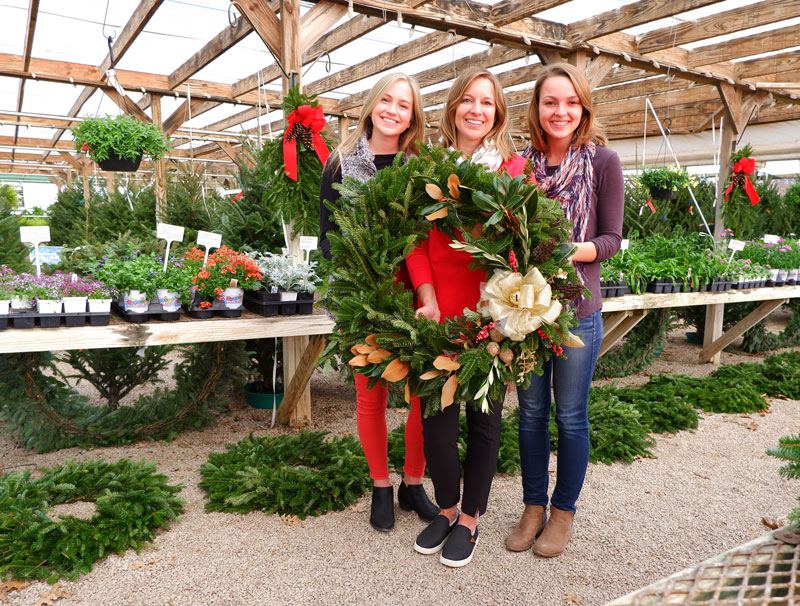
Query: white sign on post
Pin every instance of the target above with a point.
(624, 244)
(208, 240)
(307, 244)
(35, 234)
(771, 238)
(735, 245)
(170, 233)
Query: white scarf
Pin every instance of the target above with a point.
(486, 154)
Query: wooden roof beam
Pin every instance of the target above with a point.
(385, 61)
(317, 21)
(739, 106)
(765, 42)
(27, 45)
(265, 22)
(737, 19)
(508, 11)
(629, 15)
(215, 47)
(186, 109)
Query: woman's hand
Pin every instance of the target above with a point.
(429, 306)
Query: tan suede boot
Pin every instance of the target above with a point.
(555, 535)
(530, 525)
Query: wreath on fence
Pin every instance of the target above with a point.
(46, 414)
(513, 232)
(131, 500)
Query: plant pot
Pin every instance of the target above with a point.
(288, 303)
(19, 302)
(261, 400)
(74, 305)
(23, 319)
(232, 297)
(135, 302)
(168, 299)
(73, 320)
(262, 296)
(5, 305)
(694, 337)
(116, 164)
(97, 306)
(305, 302)
(663, 194)
(262, 302)
(48, 306)
(99, 319)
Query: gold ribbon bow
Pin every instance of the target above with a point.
(522, 303)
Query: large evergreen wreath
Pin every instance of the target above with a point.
(512, 231)
(303, 474)
(131, 500)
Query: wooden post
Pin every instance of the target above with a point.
(290, 40)
(159, 165)
(716, 313)
(110, 182)
(344, 125)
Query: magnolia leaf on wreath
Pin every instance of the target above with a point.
(498, 220)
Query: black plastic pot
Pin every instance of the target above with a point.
(663, 194)
(116, 164)
(305, 302)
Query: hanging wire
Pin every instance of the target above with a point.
(258, 108)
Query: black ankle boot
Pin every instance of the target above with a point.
(382, 514)
(413, 497)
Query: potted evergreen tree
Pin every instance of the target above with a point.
(118, 143)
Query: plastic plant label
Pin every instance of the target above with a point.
(307, 244)
(770, 238)
(736, 244)
(209, 239)
(624, 244)
(170, 233)
(34, 234)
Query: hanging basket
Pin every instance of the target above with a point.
(116, 164)
(663, 194)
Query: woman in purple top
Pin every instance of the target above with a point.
(573, 166)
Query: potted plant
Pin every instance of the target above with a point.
(225, 277)
(118, 143)
(100, 295)
(664, 181)
(174, 285)
(134, 277)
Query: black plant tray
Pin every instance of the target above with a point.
(720, 285)
(154, 312)
(269, 304)
(776, 282)
(664, 286)
(743, 284)
(29, 319)
(217, 309)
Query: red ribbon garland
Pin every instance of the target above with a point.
(747, 166)
(310, 117)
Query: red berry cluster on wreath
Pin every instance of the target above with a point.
(557, 349)
(483, 333)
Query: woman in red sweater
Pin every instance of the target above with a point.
(474, 122)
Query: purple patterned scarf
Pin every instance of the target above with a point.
(571, 185)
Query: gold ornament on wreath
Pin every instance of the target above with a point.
(513, 232)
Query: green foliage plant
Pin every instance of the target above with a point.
(137, 272)
(125, 135)
(671, 178)
(305, 474)
(132, 503)
(788, 449)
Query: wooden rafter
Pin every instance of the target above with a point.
(508, 11)
(264, 22)
(317, 21)
(769, 41)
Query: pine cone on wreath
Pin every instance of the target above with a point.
(739, 180)
(295, 131)
(542, 252)
(307, 137)
(569, 290)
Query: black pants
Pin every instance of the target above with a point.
(440, 432)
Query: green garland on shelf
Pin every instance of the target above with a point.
(303, 474)
(45, 414)
(132, 503)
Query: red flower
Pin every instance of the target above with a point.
(85, 147)
(237, 196)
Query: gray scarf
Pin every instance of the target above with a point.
(360, 163)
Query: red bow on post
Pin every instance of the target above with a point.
(744, 167)
(312, 118)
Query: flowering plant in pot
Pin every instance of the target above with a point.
(122, 137)
(174, 285)
(665, 181)
(226, 269)
(134, 277)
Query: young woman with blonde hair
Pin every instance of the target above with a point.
(571, 164)
(474, 122)
(391, 121)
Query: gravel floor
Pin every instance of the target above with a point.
(706, 491)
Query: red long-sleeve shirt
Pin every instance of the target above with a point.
(434, 262)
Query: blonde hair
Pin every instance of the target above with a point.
(409, 137)
(588, 127)
(499, 132)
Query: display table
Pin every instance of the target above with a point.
(623, 313)
(303, 339)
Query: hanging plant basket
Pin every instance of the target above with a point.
(663, 194)
(116, 164)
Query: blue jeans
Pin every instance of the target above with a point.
(571, 379)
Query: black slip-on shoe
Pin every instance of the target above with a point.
(413, 497)
(382, 512)
(460, 547)
(435, 534)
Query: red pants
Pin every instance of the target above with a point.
(371, 421)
